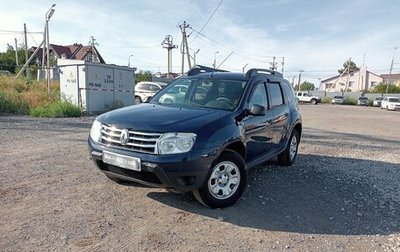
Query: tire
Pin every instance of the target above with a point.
(138, 100)
(288, 156)
(225, 183)
(313, 101)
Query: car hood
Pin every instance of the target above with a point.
(160, 118)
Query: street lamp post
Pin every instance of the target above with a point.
(129, 60)
(215, 59)
(49, 13)
(390, 70)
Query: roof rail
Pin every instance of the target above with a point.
(255, 71)
(197, 69)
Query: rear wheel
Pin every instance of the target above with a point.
(226, 182)
(313, 101)
(288, 156)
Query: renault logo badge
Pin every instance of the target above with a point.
(124, 137)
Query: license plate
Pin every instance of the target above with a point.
(122, 161)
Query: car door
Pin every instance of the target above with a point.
(280, 114)
(257, 128)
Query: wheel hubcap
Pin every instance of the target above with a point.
(224, 180)
(293, 148)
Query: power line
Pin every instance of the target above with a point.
(230, 48)
(208, 20)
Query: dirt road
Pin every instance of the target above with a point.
(342, 194)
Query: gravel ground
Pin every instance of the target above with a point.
(342, 194)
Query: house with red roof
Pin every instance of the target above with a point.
(76, 51)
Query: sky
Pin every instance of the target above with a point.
(314, 36)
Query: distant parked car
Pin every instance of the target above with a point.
(391, 103)
(377, 101)
(337, 99)
(145, 90)
(175, 95)
(362, 101)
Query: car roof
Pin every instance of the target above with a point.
(220, 75)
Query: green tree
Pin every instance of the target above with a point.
(350, 65)
(381, 88)
(143, 76)
(306, 85)
(8, 61)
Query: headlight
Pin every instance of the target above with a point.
(95, 131)
(172, 143)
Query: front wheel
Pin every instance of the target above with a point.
(288, 156)
(313, 101)
(138, 100)
(226, 182)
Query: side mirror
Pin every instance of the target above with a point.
(257, 110)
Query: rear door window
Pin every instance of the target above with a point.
(275, 94)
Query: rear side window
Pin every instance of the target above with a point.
(276, 94)
(288, 91)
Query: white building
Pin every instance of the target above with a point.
(357, 81)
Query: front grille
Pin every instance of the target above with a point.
(137, 141)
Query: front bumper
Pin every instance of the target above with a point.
(183, 172)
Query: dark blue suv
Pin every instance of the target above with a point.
(201, 133)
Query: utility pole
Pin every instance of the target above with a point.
(390, 71)
(300, 72)
(215, 59)
(194, 55)
(225, 59)
(244, 67)
(273, 64)
(185, 46)
(16, 51)
(92, 43)
(348, 75)
(283, 64)
(49, 13)
(168, 44)
(26, 51)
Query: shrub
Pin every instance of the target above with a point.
(348, 100)
(12, 103)
(57, 109)
(326, 100)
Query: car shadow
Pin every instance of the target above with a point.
(304, 199)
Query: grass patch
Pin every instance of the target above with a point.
(57, 109)
(20, 96)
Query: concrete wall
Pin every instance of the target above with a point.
(354, 95)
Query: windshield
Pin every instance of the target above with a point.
(338, 97)
(202, 92)
(363, 98)
(394, 100)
